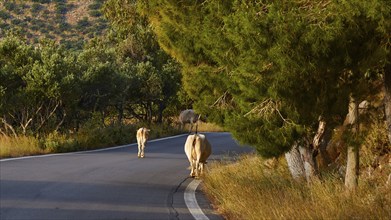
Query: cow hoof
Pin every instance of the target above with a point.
(142, 156)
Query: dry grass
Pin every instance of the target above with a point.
(19, 146)
(90, 136)
(248, 189)
(205, 127)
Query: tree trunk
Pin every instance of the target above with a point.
(352, 167)
(120, 109)
(162, 106)
(301, 161)
(387, 99)
(295, 163)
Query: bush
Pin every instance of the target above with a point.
(63, 26)
(95, 6)
(95, 13)
(42, 1)
(83, 23)
(16, 21)
(10, 6)
(36, 8)
(61, 8)
(4, 26)
(5, 15)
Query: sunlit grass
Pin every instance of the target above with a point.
(89, 137)
(204, 127)
(19, 146)
(250, 190)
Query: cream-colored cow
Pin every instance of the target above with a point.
(197, 149)
(142, 137)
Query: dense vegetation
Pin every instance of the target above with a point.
(70, 22)
(275, 67)
(270, 193)
(67, 99)
(270, 72)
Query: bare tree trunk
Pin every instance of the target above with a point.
(310, 165)
(301, 158)
(352, 167)
(319, 134)
(8, 126)
(295, 162)
(387, 99)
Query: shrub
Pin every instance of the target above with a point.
(42, 1)
(36, 8)
(95, 6)
(5, 15)
(83, 23)
(95, 13)
(61, 8)
(10, 6)
(16, 21)
(63, 26)
(4, 26)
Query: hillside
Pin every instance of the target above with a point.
(70, 22)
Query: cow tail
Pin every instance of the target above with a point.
(198, 119)
(143, 134)
(194, 140)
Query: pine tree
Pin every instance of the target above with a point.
(267, 70)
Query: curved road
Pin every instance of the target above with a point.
(106, 184)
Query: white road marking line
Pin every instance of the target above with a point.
(90, 151)
(191, 201)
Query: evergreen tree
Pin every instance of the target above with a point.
(267, 70)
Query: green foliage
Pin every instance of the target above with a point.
(270, 69)
(61, 8)
(5, 15)
(53, 13)
(10, 6)
(99, 93)
(95, 13)
(83, 23)
(42, 1)
(36, 8)
(95, 6)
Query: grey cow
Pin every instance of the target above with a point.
(188, 116)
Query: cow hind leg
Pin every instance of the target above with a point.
(139, 150)
(142, 150)
(201, 167)
(193, 169)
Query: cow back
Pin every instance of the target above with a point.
(205, 147)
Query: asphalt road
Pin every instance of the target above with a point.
(108, 184)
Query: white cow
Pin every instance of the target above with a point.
(142, 137)
(197, 149)
(188, 116)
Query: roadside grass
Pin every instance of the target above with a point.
(204, 127)
(19, 146)
(249, 189)
(90, 136)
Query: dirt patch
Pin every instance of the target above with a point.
(78, 12)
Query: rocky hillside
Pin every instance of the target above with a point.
(70, 22)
